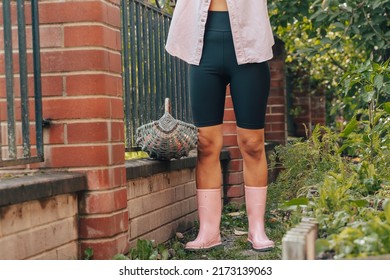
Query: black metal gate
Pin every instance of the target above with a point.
(150, 75)
(16, 146)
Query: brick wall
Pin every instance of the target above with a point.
(312, 111)
(39, 215)
(161, 205)
(162, 197)
(40, 229)
(276, 117)
(82, 98)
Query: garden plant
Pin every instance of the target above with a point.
(340, 173)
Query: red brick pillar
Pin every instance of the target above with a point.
(311, 108)
(82, 88)
(276, 118)
(318, 108)
(275, 130)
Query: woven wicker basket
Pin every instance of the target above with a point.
(167, 138)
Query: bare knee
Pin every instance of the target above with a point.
(251, 146)
(209, 144)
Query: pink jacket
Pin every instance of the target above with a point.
(251, 30)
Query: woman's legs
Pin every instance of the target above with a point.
(255, 199)
(208, 183)
(251, 143)
(249, 87)
(208, 169)
(208, 180)
(207, 94)
(249, 84)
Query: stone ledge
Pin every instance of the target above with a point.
(40, 185)
(147, 167)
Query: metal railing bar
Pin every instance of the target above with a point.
(125, 67)
(145, 63)
(133, 81)
(152, 66)
(158, 68)
(168, 66)
(9, 69)
(163, 58)
(37, 78)
(23, 78)
(139, 88)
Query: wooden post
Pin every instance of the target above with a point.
(299, 242)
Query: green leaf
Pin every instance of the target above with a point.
(378, 81)
(368, 95)
(326, 40)
(386, 89)
(386, 107)
(366, 138)
(322, 245)
(378, 117)
(386, 64)
(350, 127)
(297, 202)
(88, 253)
(376, 67)
(153, 255)
(339, 26)
(120, 257)
(319, 16)
(359, 202)
(165, 254)
(343, 147)
(386, 208)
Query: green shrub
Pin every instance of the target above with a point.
(341, 179)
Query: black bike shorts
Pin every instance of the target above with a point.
(249, 83)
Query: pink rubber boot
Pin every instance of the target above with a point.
(209, 211)
(255, 199)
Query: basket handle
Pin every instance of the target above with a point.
(167, 106)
